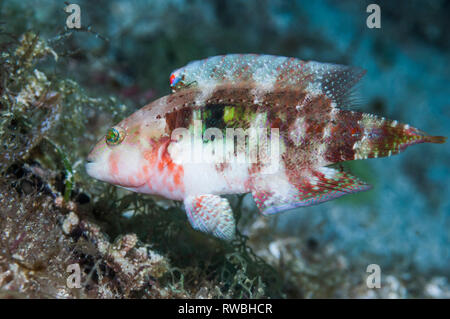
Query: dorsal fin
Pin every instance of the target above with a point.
(268, 72)
(338, 81)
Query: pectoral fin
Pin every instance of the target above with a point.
(312, 187)
(211, 214)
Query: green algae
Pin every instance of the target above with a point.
(47, 123)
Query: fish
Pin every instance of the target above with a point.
(244, 123)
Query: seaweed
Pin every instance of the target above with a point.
(44, 123)
(60, 89)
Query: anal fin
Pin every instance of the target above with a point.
(211, 214)
(311, 187)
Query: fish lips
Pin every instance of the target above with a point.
(101, 173)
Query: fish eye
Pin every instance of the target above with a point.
(114, 136)
(172, 79)
(176, 82)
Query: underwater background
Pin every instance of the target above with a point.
(62, 88)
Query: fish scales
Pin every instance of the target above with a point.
(267, 72)
(298, 108)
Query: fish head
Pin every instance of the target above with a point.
(119, 157)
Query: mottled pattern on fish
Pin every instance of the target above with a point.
(267, 73)
(298, 98)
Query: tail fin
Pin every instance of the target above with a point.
(435, 139)
(383, 137)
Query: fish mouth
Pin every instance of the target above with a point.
(94, 170)
(90, 158)
(89, 167)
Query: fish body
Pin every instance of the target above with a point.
(265, 125)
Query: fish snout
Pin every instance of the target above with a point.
(96, 152)
(94, 163)
(89, 158)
